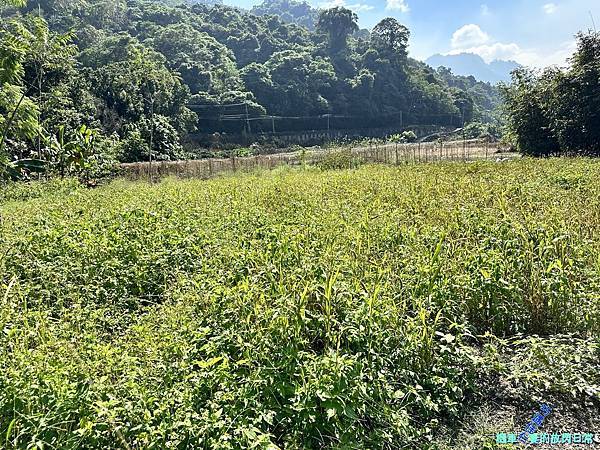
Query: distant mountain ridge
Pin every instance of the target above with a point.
(466, 64)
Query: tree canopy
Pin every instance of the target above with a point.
(557, 111)
(338, 23)
(145, 74)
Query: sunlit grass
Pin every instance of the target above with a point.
(298, 309)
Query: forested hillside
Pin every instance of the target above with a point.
(117, 80)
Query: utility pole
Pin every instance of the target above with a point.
(464, 134)
(152, 92)
(151, 138)
(247, 118)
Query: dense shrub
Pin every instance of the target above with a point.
(558, 111)
(339, 159)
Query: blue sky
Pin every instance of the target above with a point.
(532, 32)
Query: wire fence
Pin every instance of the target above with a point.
(386, 153)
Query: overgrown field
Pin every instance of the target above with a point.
(300, 309)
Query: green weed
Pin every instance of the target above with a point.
(293, 309)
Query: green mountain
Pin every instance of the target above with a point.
(144, 74)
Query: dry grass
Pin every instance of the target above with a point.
(390, 153)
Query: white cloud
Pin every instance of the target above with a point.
(493, 51)
(469, 36)
(359, 7)
(559, 57)
(550, 8)
(472, 39)
(356, 7)
(526, 57)
(399, 5)
(332, 4)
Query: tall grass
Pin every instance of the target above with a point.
(298, 309)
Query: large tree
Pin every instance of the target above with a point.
(558, 110)
(338, 23)
(574, 106)
(390, 38)
(34, 63)
(18, 113)
(526, 105)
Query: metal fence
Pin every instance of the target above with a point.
(386, 153)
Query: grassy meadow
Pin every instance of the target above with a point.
(424, 306)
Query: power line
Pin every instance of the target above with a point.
(210, 105)
(242, 116)
(245, 116)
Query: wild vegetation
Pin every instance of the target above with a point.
(332, 306)
(139, 77)
(364, 308)
(557, 111)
